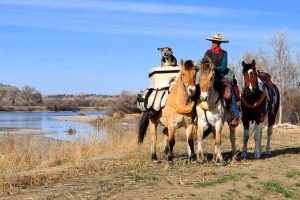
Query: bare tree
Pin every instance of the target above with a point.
(31, 95)
(13, 94)
(281, 60)
(3, 92)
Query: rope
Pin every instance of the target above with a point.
(257, 103)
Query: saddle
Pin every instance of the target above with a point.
(265, 78)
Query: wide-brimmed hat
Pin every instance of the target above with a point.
(218, 38)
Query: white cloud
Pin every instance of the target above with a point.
(137, 7)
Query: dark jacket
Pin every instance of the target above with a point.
(219, 60)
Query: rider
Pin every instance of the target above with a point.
(219, 57)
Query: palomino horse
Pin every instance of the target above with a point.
(178, 112)
(256, 105)
(212, 113)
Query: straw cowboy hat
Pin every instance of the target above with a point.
(218, 38)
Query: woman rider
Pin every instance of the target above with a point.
(219, 57)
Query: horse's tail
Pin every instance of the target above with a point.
(143, 125)
(277, 100)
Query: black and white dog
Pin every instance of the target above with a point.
(167, 57)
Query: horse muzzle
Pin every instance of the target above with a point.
(191, 90)
(204, 96)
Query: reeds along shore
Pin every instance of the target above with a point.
(23, 153)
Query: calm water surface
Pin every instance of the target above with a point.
(43, 121)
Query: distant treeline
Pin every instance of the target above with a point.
(11, 97)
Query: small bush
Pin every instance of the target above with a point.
(60, 105)
(123, 104)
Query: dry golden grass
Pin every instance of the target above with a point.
(23, 153)
(32, 167)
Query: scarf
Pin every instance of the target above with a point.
(216, 51)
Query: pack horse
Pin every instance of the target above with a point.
(178, 112)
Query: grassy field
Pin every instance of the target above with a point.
(118, 168)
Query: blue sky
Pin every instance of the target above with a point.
(93, 46)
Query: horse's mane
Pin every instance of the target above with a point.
(188, 64)
(206, 67)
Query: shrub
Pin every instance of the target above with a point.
(123, 104)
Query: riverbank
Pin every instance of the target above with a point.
(44, 109)
(22, 131)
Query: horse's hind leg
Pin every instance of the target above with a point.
(190, 141)
(269, 132)
(171, 130)
(218, 142)
(152, 127)
(166, 140)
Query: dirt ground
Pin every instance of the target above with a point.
(133, 175)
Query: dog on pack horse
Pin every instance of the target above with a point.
(168, 59)
(179, 111)
(259, 103)
(212, 113)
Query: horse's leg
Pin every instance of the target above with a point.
(245, 138)
(269, 132)
(190, 141)
(218, 142)
(152, 127)
(257, 138)
(200, 153)
(166, 140)
(171, 131)
(271, 122)
(232, 140)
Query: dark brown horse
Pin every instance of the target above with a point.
(260, 101)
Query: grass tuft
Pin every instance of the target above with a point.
(278, 187)
(293, 174)
(220, 180)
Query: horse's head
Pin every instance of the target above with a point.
(188, 75)
(206, 82)
(250, 75)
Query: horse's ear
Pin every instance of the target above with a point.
(253, 62)
(243, 63)
(170, 48)
(159, 49)
(181, 62)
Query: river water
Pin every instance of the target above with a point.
(57, 129)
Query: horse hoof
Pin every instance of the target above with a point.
(169, 157)
(244, 155)
(154, 157)
(192, 157)
(256, 156)
(202, 160)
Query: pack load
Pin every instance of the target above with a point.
(154, 98)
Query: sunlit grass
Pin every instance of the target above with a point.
(23, 153)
